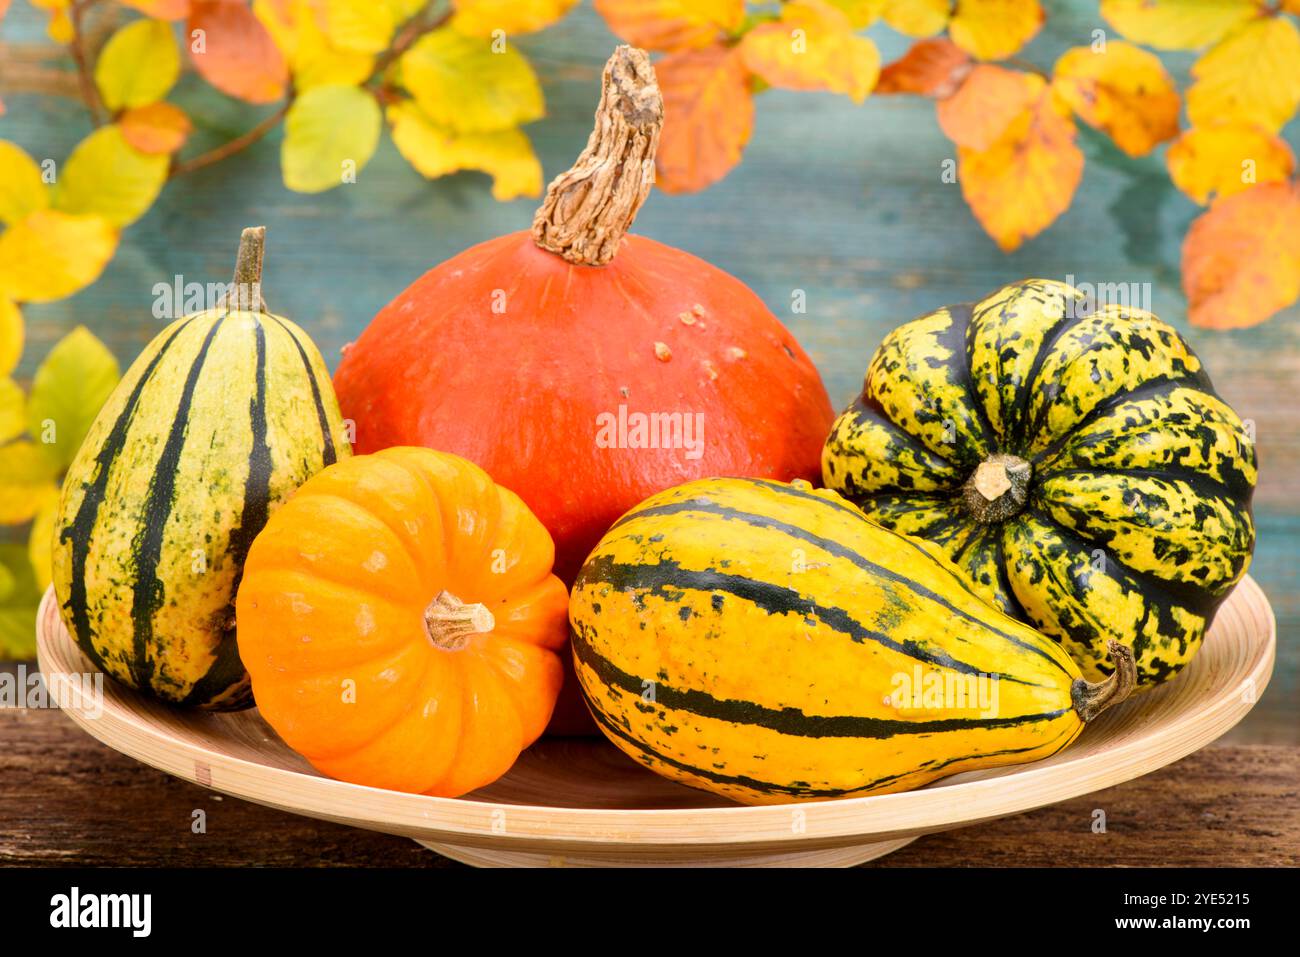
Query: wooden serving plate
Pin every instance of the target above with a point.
(575, 801)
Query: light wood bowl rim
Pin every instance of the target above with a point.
(546, 829)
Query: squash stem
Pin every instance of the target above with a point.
(246, 289)
(997, 489)
(1091, 698)
(451, 623)
(589, 209)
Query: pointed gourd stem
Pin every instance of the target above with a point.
(1091, 698)
(589, 209)
(246, 291)
(451, 623)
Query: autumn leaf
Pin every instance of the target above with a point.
(672, 25)
(312, 59)
(13, 410)
(156, 128)
(812, 47)
(861, 13)
(1227, 158)
(107, 176)
(459, 82)
(986, 104)
(18, 602)
(359, 26)
(478, 18)
(21, 189)
(40, 540)
(934, 67)
(329, 130)
(71, 384)
(138, 65)
(1176, 24)
(11, 335)
(51, 254)
(1121, 90)
(234, 52)
(1023, 182)
(994, 29)
(708, 117)
(505, 155)
(1252, 74)
(26, 477)
(1241, 257)
(917, 18)
(161, 9)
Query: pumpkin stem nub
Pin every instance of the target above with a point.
(246, 290)
(451, 623)
(1091, 698)
(588, 209)
(997, 489)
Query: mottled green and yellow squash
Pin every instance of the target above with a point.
(1073, 461)
(767, 642)
(222, 416)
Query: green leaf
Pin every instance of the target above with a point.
(330, 131)
(462, 84)
(138, 65)
(69, 389)
(18, 603)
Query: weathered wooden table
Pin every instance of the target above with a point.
(65, 799)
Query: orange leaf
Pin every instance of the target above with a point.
(1121, 90)
(1024, 181)
(156, 128)
(161, 9)
(671, 25)
(233, 51)
(708, 117)
(1226, 158)
(812, 47)
(931, 67)
(985, 105)
(1241, 258)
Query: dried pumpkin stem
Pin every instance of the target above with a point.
(1091, 698)
(246, 289)
(451, 623)
(997, 489)
(589, 209)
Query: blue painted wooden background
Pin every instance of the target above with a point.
(844, 202)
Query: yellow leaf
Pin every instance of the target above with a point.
(1252, 74)
(1176, 24)
(708, 117)
(21, 189)
(330, 131)
(1227, 158)
(1024, 181)
(40, 541)
(138, 65)
(107, 176)
(26, 478)
(505, 155)
(1121, 90)
(461, 83)
(994, 29)
(478, 18)
(52, 254)
(313, 61)
(812, 48)
(672, 25)
(11, 335)
(1241, 258)
(13, 410)
(989, 100)
(60, 26)
(917, 18)
(69, 387)
(359, 26)
(861, 13)
(156, 127)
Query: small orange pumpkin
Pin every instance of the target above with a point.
(400, 622)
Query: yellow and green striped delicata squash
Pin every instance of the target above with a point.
(1074, 462)
(221, 417)
(767, 642)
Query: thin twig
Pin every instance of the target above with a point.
(89, 92)
(411, 31)
(231, 147)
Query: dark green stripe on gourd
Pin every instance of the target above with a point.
(221, 416)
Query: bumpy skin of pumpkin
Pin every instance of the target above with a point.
(332, 623)
(1134, 521)
(749, 637)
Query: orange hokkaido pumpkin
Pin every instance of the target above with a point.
(400, 623)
